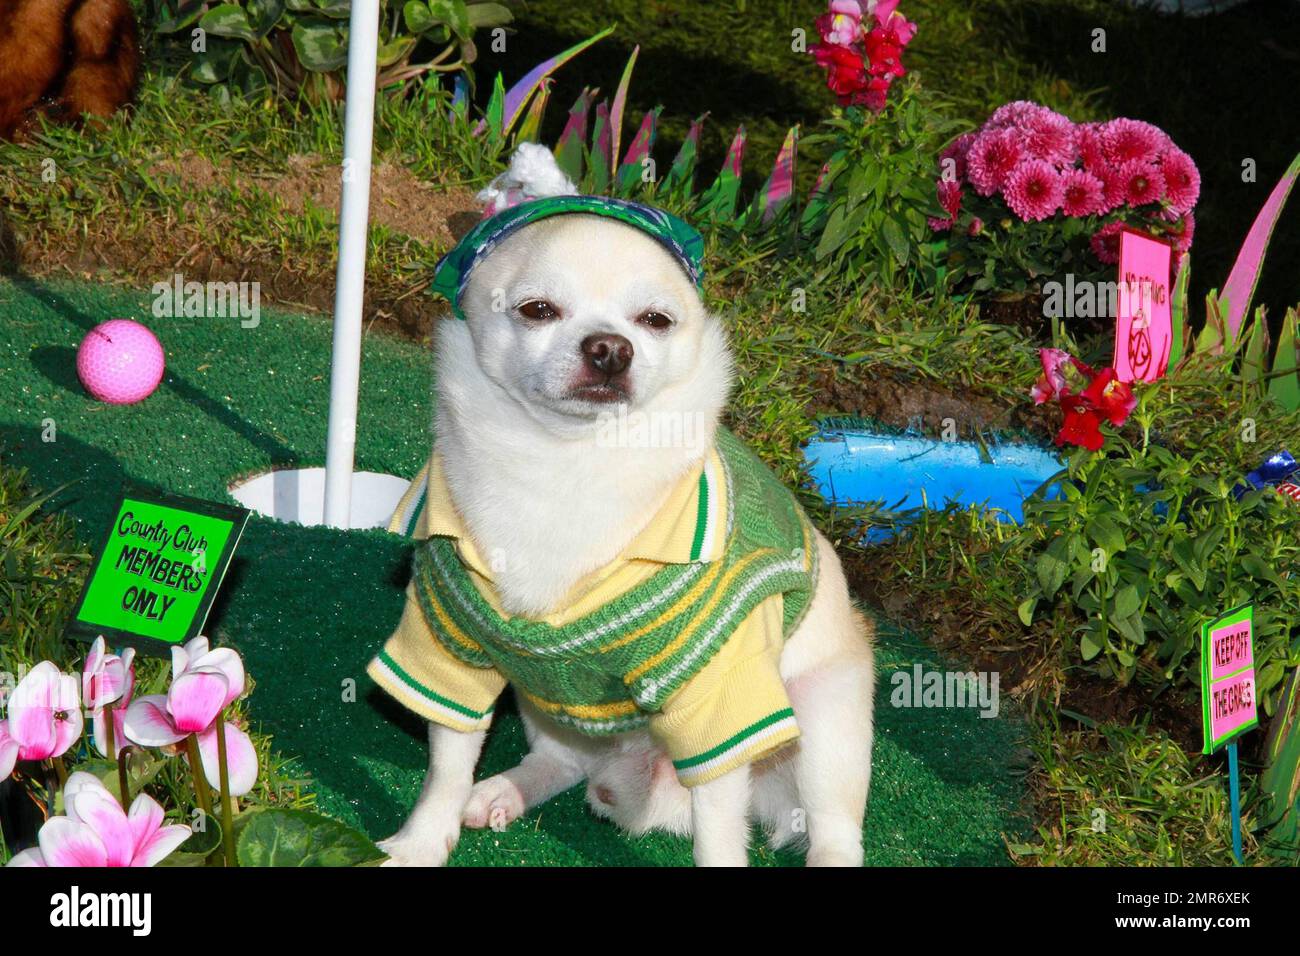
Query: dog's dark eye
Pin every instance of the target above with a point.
(539, 310)
(656, 320)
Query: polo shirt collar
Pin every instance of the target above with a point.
(690, 527)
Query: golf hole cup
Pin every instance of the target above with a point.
(120, 362)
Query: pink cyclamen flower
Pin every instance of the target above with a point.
(8, 752)
(1105, 242)
(1049, 136)
(204, 683)
(992, 156)
(44, 714)
(1033, 190)
(1082, 193)
(108, 679)
(1182, 180)
(1129, 140)
(98, 832)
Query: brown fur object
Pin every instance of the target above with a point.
(67, 57)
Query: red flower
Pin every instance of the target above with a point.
(884, 53)
(846, 73)
(1082, 424)
(1110, 397)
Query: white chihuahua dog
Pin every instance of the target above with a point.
(569, 321)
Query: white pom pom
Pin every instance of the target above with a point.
(533, 173)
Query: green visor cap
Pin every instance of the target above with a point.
(452, 273)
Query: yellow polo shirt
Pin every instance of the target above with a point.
(733, 711)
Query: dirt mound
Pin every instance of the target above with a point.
(398, 199)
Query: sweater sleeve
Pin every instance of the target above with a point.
(735, 710)
(415, 668)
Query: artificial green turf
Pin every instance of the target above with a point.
(307, 607)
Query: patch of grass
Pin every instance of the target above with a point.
(1130, 796)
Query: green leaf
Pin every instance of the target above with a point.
(302, 838)
(264, 15)
(1026, 610)
(896, 239)
(203, 841)
(454, 14)
(1127, 601)
(321, 44)
(335, 9)
(488, 15)
(417, 16)
(1131, 628)
(228, 20)
(1088, 646)
(1103, 530)
(1051, 573)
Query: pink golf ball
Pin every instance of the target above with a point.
(120, 362)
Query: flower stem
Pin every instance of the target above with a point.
(123, 778)
(201, 791)
(227, 813)
(110, 732)
(60, 771)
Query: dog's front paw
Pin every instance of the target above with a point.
(420, 846)
(495, 802)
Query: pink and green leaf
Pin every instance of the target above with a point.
(681, 176)
(1240, 288)
(572, 141)
(532, 124)
(512, 105)
(1284, 382)
(719, 201)
(619, 107)
(598, 169)
(630, 171)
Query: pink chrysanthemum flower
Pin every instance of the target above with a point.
(1137, 184)
(1182, 180)
(1033, 190)
(1088, 137)
(1082, 193)
(950, 200)
(1128, 140)
(1105, 242)
(1049, 136)
(1182, 233)
(1014, 114)
(991, 158)
(956, 151)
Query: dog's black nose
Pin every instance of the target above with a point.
(607, 353)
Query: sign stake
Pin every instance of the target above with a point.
(1235, 789)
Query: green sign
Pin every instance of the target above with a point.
(153, 582)
(1228, 677)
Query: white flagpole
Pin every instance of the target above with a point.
(345, 366)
